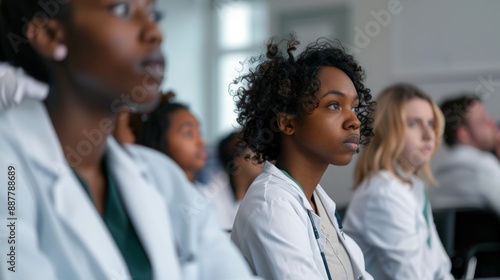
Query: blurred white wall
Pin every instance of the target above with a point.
(186, 47)
(441, 46)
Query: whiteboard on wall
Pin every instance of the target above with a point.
(447, 39)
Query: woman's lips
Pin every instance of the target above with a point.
(155, 68)
(154, 65)
(352, 142)
(202, 155)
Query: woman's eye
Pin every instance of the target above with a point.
(188, 134)
(356, 109)
(120, 10)
(156, 16)
(334, 106)
(412, 123)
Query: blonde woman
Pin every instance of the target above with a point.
(389, 215)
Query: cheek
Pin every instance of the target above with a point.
(413, 155)
(409, 146)
(184, 148)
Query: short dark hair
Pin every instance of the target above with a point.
(227, 150)
(151, 129)
(454, 111)
(281, 83)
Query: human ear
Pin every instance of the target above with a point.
(47, 39)
(286, 123)
(462, 135)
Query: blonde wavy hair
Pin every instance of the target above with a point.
(389, 128)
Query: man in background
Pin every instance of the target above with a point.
(470, 175)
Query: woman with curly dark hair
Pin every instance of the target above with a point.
(303, 114)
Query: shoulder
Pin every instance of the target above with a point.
(383, 183)
(463, 158)
(270, 199)
(161, 171)
(272, 185)
(160, 164)
(384, 194)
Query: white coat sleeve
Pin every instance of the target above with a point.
(391, 229)
(276, 243)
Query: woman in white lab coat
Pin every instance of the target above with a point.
(80, 206)
(389, 215)
(303, 114)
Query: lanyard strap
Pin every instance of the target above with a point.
(316, 235)
(426, 216)
(315, 230)
(337, 215)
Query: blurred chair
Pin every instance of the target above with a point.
(471, 237)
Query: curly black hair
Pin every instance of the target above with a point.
(279, 83)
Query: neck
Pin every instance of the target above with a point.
(307, 174)
(241, 184)
(82, 131)
(190, 174)
(406, 167)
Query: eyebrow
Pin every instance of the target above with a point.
(338, 93)
(186, 124)
(419, 119)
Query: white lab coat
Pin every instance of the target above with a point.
(274, 232)
(218, 191)
(60, 235)
(385, 217)
(468, 178)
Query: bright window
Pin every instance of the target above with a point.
(241, 32)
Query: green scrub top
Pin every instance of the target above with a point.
(121, 228)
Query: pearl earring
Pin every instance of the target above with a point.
(60, 52)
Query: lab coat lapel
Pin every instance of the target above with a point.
(77, 211)
(71, 203)
(141, 199)
(273, 170)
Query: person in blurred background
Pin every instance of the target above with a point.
(389, 215)
(173, 130)
(87, 207)
(228, 186)
(469, 176)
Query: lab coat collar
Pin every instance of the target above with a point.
(70, 201)
(330, 208)
(78, 212)
(141, 200)
(276, 172)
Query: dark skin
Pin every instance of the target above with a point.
(326, 136)
(120, 58)
(244, 174)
